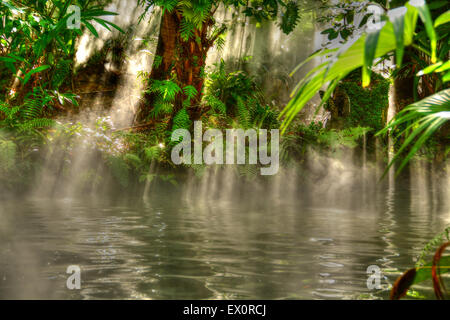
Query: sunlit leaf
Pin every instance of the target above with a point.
(442, 19)
(370, 46)
(429, 69)
(397, 17)
(90, 27)
(424, 118)
(425, 16)
(345, 60)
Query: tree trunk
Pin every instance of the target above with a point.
(180, 60)
(163, 61)
(190, 69)
(404, 83)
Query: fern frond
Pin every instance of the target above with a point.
(133, 159)
(181, 120)
(38, 123)
(187, 29)
(167, 89)
(243, 113)
(190, 92)
(216, 104)
(152, 153)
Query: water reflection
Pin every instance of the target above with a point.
(168, 248)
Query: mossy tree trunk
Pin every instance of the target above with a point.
(180, 60)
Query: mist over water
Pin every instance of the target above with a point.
(233, 240)
(309, 231)
(263, 51)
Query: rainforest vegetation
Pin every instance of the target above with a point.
(376, 82)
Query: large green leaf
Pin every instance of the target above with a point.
(422, 119)
(348, 58)
(397, 17)
(425, 16)
(424, 273)
(442, 19)
(97, 13)
(105, 24)
(90, 27)
(370, 46)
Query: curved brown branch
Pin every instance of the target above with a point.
(438, 284)
(402, 284)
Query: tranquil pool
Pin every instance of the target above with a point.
(168, 248)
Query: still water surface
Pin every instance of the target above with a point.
(167, 248)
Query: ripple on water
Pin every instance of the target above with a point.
(331, 264)
(170, 252)
(329, 293)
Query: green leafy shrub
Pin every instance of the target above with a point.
(237, 96)
(368, 106)
(38, 46)
(295, 144)
(181, 120)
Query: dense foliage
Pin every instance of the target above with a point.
(389, 39)
(368, 106)
(37, 51)
(188, 31)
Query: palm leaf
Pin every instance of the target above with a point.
(442, 19)
(397, 17)
(352, 56)
(423, 119)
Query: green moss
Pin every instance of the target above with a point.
(368, 106)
